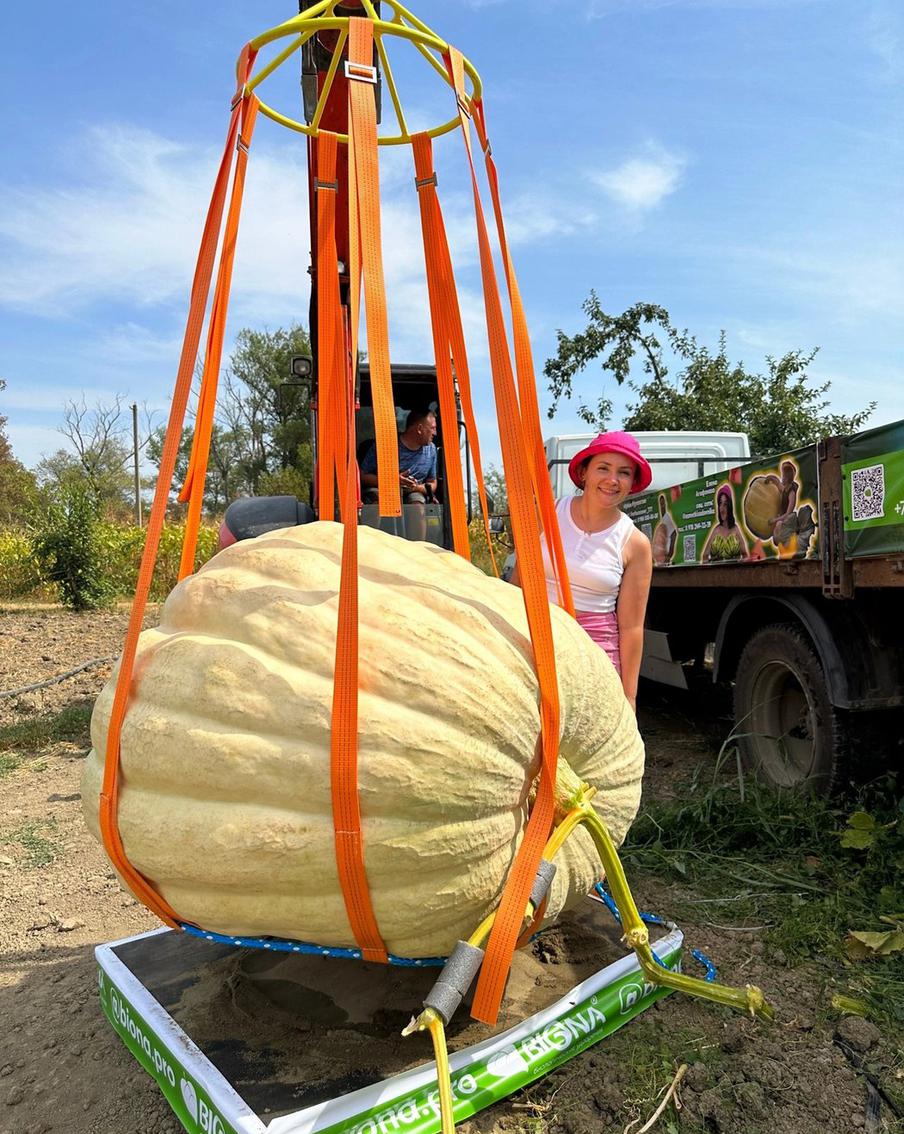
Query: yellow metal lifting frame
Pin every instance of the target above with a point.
(403, 25)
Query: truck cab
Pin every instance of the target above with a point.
(674, 455)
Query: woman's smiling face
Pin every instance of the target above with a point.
(609, 478)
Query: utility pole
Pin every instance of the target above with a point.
(135, 456)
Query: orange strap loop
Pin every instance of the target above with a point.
(362, 155)
(331, 362)
(443, 308)
(364, 252)
(527, 385)
(109, 795)
(509, 917)
(193, 488)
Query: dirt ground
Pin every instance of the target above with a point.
(63, 1069)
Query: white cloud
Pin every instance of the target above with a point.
(22, 397)
(641, 183)
(128, 231)
(885, 37)
(132, 343)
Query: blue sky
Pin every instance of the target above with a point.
(740, 162)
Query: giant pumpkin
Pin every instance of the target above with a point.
(762, 503)
(225, 804)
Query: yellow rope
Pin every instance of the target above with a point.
(443, 1076)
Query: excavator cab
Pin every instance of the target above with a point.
(414, 388)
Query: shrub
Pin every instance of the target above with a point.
(117, 549)
(68, 551)
(20, 573)
(123, 547)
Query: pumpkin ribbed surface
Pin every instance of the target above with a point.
(762, 503)
(225, 801)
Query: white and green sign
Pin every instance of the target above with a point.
(206, 1103)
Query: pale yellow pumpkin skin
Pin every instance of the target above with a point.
(225, 803)
(762, 503)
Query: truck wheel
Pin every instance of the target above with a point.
(789, 734)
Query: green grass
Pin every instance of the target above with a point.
(40, 850)
(755, 857)
(8, 763)
(29, 736)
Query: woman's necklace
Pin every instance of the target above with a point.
(583, 519)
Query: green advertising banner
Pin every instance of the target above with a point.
(757, 511)
(873, 475)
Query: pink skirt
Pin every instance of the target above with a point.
(603, 629)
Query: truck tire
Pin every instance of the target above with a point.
(789, 733)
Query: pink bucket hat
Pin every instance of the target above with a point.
(615, 442)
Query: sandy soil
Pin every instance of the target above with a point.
(63, 1069)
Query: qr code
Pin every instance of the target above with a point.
(868, 493)
(690, 549)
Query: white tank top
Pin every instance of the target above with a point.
(594, 560)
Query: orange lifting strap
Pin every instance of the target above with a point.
(364, 218)
(527, 384)
(193, 489)
(109, 795)
(449, 344)
(364, 256)
(332, 439)
(520, 479)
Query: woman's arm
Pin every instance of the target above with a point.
(704, 554)
(745, 550)
(631, 608)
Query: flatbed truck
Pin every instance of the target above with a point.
(797, 602)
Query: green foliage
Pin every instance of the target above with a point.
(497, 490)
(68, 552)
(39, 850)
(780, 409)
(20, 573)
(18, 487)
(789, 863)
(261, 439)
(70, 724)
(614, 337)
(480, 552)
(123, 546)
(118, 547)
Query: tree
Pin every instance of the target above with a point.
(261, 439)
(18, 487)
(224, 467)
(68, 549)
(270, 414)
(100, 454)
(781, 409)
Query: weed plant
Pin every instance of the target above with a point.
(39, 849)
(810, 872)
(30, 737)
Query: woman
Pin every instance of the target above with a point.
(726, 540)
(609, 561)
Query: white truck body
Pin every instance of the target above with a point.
(675, 456)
